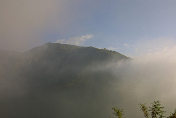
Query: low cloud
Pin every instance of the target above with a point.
(22, 22)
(112, 48)
(76, 40)
(25, 23)
(146, 46)
(143, 79)
(146, 78)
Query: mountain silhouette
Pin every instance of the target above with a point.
(56, 81)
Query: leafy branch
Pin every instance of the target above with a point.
(156, 110)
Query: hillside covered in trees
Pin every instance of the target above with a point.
(56, 81)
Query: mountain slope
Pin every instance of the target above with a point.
(71, 54)
(57, 60)
(57, 81)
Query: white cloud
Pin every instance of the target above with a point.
(145, 78)
(126, 45)
(147, 46)
(24, 23)
(112, 48)
(75, 40)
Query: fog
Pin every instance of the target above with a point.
(144, 79)
(25, 24)
(32, 85)
(46, 85)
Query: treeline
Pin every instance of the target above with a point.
(156, 110)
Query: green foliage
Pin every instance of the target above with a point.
(144, 109)
(117, 112)
(156, 110)
(172, 115)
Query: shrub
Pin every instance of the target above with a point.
(156, 110)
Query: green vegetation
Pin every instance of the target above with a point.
(57, 81)
(117, 112)
(156, 110)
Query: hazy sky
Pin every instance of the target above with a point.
(131, 27)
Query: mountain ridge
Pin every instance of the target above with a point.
(73, 47)
(53, 79)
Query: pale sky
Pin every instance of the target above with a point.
(130, 27)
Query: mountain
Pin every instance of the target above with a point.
(56, 81)
(74, 55)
